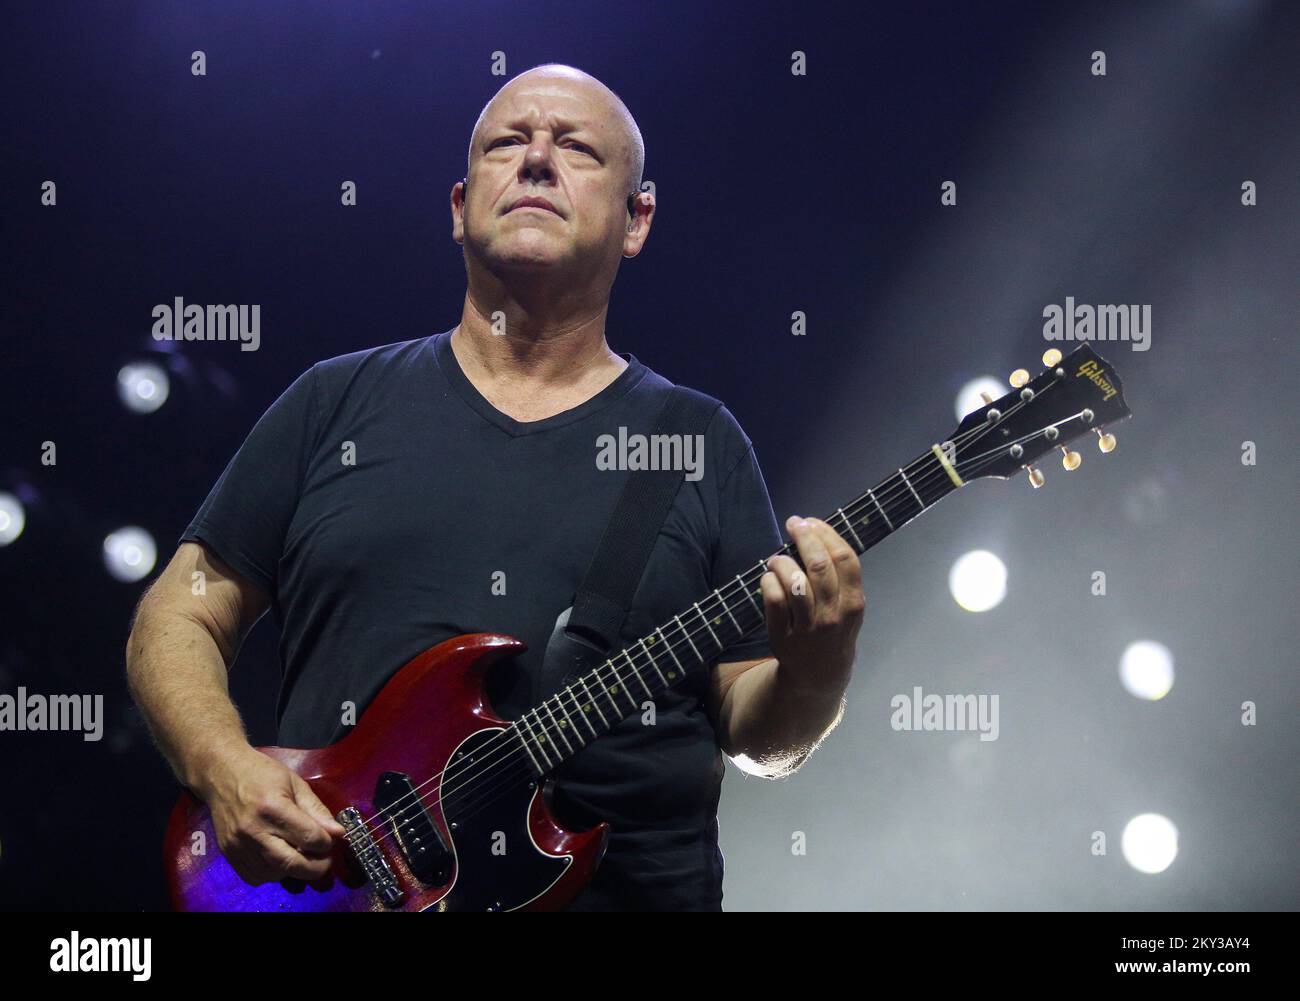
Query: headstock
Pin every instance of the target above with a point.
(1073, 396)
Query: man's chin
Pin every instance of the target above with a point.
(523, 259)
(525, 265)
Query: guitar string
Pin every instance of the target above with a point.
(480, 769)
(490, 788)
(502, 739)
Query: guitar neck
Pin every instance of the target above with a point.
(593, 704)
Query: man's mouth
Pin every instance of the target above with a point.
(533, 202)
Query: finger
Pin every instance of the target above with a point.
(289, 862)
(287, 820)
(775, 606)
(817, 562)
(848, 567)
(798, 595)
(307, 799)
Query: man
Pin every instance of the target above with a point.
(399, 496)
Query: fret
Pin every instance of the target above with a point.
(558, 728)
(678, 620)
(912, 488)
(618, 683)
(628, 657)
(576, 731)
(940, 485)
(669, 647)
(538, 743)
(727, 608)
(595, 704)
(705, 620)
(881, 510)
(745, 587)
(849, 525)
(523, 743)
(651, 657)
(545, 740)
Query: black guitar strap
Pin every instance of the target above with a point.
(602, 601)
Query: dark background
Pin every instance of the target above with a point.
(775, 193)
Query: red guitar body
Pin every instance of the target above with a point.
(507, 852)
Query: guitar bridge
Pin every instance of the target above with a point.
(376, 868)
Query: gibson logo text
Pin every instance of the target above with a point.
(1095, 374)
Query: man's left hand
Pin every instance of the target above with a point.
(813, 618)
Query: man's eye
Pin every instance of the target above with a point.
(572, 145)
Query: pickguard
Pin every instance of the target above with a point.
(499, 867)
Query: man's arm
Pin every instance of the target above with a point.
(269, 823)
(771, 714)
(767, 726)
(177, 658)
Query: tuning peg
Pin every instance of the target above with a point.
(986, 398)
(1051, 356)
(1018, 378)
(1036, 478)
(1105, 442)
(1070, 460)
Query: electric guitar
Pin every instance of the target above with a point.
(430, 777)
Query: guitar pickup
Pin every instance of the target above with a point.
(423, 846)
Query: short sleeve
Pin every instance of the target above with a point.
(246, 516)
(748, 534)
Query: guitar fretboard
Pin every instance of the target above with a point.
(592, 705)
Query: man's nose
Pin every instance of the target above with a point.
(538, 165)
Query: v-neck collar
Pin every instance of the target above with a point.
(451, 370)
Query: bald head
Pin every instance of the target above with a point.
(559, 138)
(629, 147)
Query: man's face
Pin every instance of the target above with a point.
(560, 140)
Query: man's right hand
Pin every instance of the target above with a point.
(270, 825)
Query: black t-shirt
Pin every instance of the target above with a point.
(381, 498)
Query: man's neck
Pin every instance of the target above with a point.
(534, 352)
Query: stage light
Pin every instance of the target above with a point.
(129, 553)
(978, 581)
(1150, 843)
(969, 398)
(1147, 669)
(142, 387)
(12, 518)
